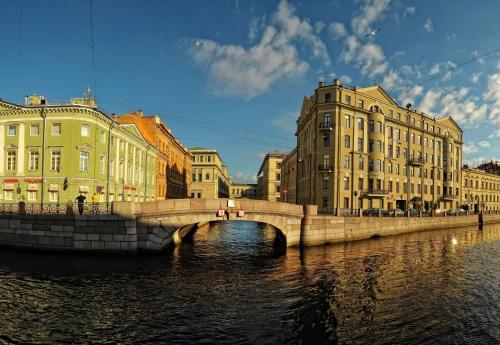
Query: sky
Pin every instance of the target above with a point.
(231, 74)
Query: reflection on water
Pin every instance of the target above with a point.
(235, 283)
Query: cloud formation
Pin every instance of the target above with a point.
(428, 27)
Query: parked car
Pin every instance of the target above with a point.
(414, 212)
(399, 212)
(371, 212)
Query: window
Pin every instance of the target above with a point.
(346, 183)
(348, 99)
(370, 145)
(9, 195)
(346, 162)
(327, 118)
(347, 141)
(398, 134)
(103, 137)
(379, 126)
(360, 163)
(277, 189)
(102, 165)
(278, 165)
(207, 176)
(11, 160)
(347, 121)
(84, 130)
(397, 169)
(84, 161)
(56, 129)
(34, 130)
(371, 126)
(55, 160)
(278, 177)
(360, 144)
(389, 167)
(12, 130)
(112, 167)
(209, 158)
(360, 183)
(33, 164)
(328, 97)
(326, 140)
(379, 146)
(32, 195)
(405, 136)
(325, 201)
(346, 202)
(361, 103)
(379, 165)
(361, 124)
(325, 182)
(412, 136)
(53, 196)
(389, 132)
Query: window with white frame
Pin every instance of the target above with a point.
(34, 158)
(11, 160)
(84, 132)
(53, 196)
(12, 129)
(55, 160)
(9, 195)
(32, 195)
(84, 161)
(56, 129)
(102, 164)
(34, 130)
(103, 136)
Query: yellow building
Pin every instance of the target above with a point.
(357, 148)
(289, 178)
(269, 177)
(480, 189)
(241, 190)
(210, 177)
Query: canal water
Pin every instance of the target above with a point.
(237, 284)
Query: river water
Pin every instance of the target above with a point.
(237, 284)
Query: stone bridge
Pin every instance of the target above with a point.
(163, 223)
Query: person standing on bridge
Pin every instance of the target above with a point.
(80, 200)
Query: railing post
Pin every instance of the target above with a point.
(379, 213)
(420, 214)
(360, 210)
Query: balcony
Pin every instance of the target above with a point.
(326, 126)
(325, 168)
(418, 161)
(374, 193)
(448, 196)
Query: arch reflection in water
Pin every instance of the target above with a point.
(231, 286)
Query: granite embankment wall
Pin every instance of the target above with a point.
(321, 229)
(103, 233)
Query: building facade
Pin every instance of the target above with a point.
(242, 190)
(210, 177)
(357, 148)
(481, 188)
(269, 177)
(289, 178)
(51, 153)
(174, 162)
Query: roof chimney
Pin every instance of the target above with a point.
(336, 82)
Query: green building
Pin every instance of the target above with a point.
(50, 153)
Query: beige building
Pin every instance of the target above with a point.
(289, 178)
(357, 148)
(269, 177)
(480, 188)
(210, 177)
(241, 190)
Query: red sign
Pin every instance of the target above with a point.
(285, 190)
(221, 213)
(33, 180)
(130, 187)
(241, 213)
(11, 180)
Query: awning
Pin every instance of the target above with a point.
(8, 186)
(84, 189)
(53, 187)
(32, 187)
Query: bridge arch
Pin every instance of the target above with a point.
(163, 223)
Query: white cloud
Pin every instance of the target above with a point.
(474, 162)
(391, 80)
(234, 70)
(428, 27)
(483, 144)
(435, 69)
(409, 10)
(429, 101)
(475, 77)
(371, 60)
(495, 134)
(338, 30)
(492, 94)
(462, 107)
(408, 95)
(286, 122)
(351, 49)
(241, 177)
(345, 79)
(450, 37)
(469, 148)
(371, 11)
(319, 26)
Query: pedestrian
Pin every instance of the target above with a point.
(80, 199)
(95, 200)
(227, 214)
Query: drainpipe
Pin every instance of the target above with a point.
(109, 160)
(44, 117)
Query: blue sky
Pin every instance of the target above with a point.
(239, 88)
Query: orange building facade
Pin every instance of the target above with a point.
(174, 162)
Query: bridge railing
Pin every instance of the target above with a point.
(56, 208)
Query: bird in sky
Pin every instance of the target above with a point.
(197, 43)
(372, 33)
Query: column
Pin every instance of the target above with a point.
(2, 149)
(125, 165)
(21, 150)
(133, 165)
(117, 160)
